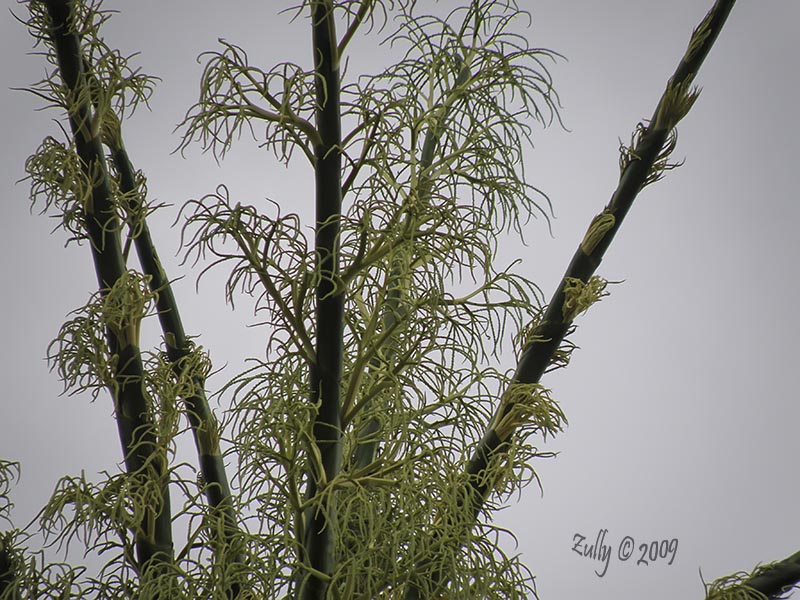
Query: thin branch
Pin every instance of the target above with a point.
(365, 148)
(296, 328)
(281, 118)
(363, 10)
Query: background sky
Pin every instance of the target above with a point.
(681, 401)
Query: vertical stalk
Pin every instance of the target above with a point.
(326, 372)
(366, 448)
(139, 445)
(394, 310)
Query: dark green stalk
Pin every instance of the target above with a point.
(9, 568)
(201, 419)
(776, 580)
(553, 327)
(366, 448)
(394, 310)
(179, 348)
(137, 437)
(326, 371)
(550, 333)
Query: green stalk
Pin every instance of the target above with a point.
(547, 337)
(549, 334)
(201, 419)
(325, 459)
(139, 445)
(773, 581)
(366, 448)
(394, 310)
(10, 558)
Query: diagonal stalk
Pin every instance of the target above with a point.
(139, 445)
(652, 143)
(548, 335)
(773, 581)
(179, 348)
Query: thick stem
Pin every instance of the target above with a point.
(139, 445)
(326, 371)
(201, 419)
(777, 580)
(549, 334)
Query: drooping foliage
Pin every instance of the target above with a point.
(400, 400)
(431, 175)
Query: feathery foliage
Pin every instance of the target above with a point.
(367, 451)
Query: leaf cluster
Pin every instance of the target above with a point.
(432, 176)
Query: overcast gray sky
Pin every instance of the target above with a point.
(681, 400)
